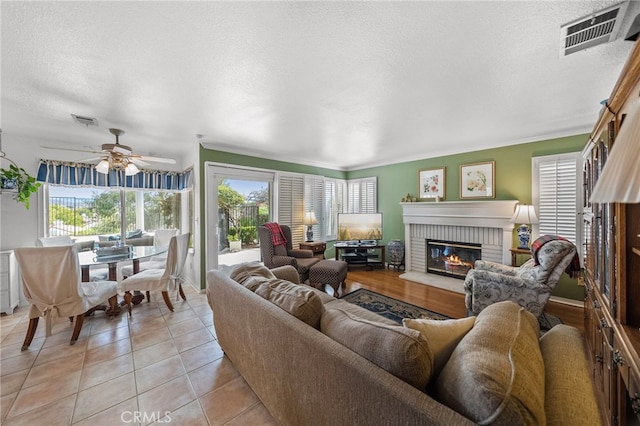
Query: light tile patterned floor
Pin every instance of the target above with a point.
(157, 366)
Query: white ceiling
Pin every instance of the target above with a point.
(339, 84)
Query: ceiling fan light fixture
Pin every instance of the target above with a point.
(131, 169)
(102, 167)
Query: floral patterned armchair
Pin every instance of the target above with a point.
(529, 285)
(275, 256)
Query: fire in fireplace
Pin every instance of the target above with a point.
(451, 258)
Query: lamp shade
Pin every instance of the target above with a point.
(102, 167)
(524, 214)
(310, 218)
(620, 178)
(131, 169)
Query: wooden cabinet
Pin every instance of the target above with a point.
(612, 268)
(9, 283)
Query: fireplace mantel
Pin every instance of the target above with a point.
(495, 214)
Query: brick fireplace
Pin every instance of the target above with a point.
(483, 223)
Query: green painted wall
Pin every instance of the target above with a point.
(513, 181)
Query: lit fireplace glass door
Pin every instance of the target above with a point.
(450, 258)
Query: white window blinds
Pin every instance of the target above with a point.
(557, 195)
(291, 205)
(361, 195)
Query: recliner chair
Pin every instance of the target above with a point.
(281, 255)
(529, 285)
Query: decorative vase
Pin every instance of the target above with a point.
(524, 234)
(396, 252)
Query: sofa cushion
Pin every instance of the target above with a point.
(399, 350)
(299, 300)
(243, 271)
(569, 395)
(442, 335)
(496, 374)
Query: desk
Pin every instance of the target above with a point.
(359, 254)
(88, 259)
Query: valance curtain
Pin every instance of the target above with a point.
(81, 174)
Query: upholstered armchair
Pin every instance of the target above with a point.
(529, 285)
(274, 256)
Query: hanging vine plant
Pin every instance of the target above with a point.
(17, 181)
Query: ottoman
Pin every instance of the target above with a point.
(332, 272)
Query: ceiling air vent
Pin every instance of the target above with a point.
(87, 121)
(598, 28)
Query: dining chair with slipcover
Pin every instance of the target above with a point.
(163, 279)
(276, 249)
(529, 285)
(96, 273)
(52, 284)
(161, 238)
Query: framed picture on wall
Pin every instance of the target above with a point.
(431, 183)
(478, 180)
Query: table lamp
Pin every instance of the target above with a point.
(524, 215)
(310, 220)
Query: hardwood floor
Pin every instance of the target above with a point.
(446, 302)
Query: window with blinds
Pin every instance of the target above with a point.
(326, 197)
(361, 195)
(291, 204)
(557, 195)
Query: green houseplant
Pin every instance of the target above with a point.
(17, 181)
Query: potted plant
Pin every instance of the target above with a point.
(234, 240)
(17, 181)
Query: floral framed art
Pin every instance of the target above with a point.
(478, 180)
(431, 183)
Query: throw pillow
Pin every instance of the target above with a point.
(401, 351)
(300, 301)
(496, 374)
(243, 271)
(569, 395)
(442, 335)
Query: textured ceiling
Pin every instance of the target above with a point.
(339, 84)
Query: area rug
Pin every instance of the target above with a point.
(396, 310)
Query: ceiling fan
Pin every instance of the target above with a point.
(118, 157)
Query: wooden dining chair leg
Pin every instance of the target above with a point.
(165, 296)
(77, 328)
(113, 303)
(31, 331)
(148, 297)
(181, 292)
(127, 300)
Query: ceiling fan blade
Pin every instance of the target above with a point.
(88, 160)
(70, 149)
(157, 159)
(139, 162)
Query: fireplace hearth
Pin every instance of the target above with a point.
(451, 258)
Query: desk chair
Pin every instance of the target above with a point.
(52, 284)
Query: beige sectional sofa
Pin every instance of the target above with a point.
(316, 360)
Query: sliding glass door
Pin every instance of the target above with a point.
(239, 201)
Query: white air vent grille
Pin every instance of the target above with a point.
(87, 121)
(598, 28)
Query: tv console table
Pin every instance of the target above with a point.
(369, 255)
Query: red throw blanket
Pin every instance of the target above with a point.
(277, 236)
(573, 269)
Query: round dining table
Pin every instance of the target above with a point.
(88, 259)
(135, 253)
